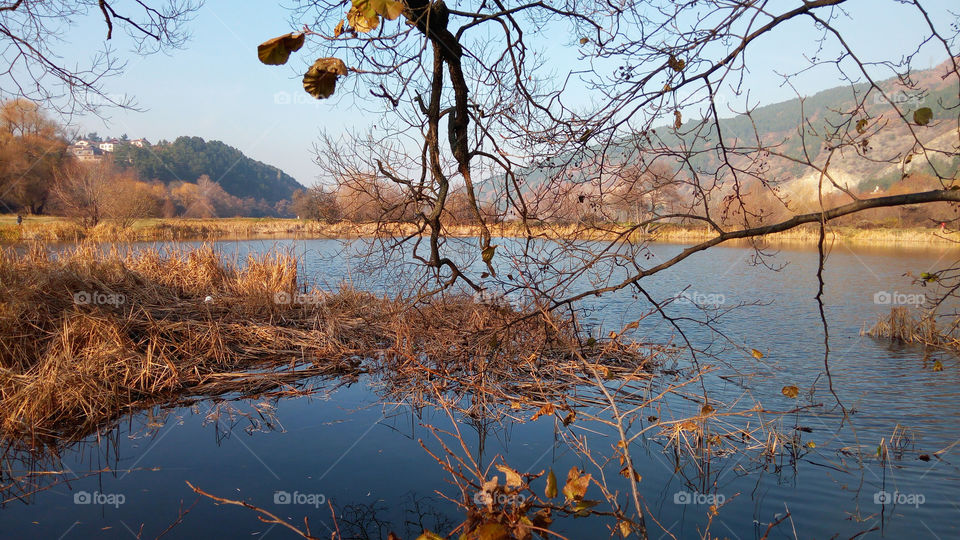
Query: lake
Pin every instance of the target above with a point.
(347, 445)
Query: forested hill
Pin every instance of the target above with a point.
(188, 158)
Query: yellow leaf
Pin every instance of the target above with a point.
(756, 354)
(321, 79)
(487, 253)
(811, 444)
(551, 490)
(790, 391)
(428, 535)
(576, 487)
(489, 531)
(625, 528)
(937, 365)
(389, 9)
(862, 125)
(277, 51)
(546, 410)
(676, 64)
(513, 478)
(583, 507)
(339, 29)
(626, 473)
(362, 17)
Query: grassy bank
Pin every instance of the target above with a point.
(54, 229)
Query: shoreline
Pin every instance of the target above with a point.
(61, 230)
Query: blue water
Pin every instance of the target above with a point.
(345, 446)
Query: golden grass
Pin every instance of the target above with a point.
(809, 235)
(47, 229)
(903, 326)
(90, 334)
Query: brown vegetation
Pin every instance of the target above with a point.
(903, 326)
(88, 336)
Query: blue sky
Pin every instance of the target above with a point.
(216, 88)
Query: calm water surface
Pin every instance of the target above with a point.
(346, 446)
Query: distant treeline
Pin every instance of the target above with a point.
(625, 202)
(39, 174)
(189, 158)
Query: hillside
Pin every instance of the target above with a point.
(188, 158)
(787, 129)
(879, 165)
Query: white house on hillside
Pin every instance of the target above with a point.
(86, 153)
(109, 146)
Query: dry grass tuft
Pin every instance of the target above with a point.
(903, 327)
(88, 335)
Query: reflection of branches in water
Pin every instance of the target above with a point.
(225, 418)
(26, 471)
(22, 485)
(365, 521)
(356, 521)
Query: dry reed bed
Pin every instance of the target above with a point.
(209, 229)
(148, 335)
(903, 327)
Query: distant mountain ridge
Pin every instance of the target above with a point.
(188, 158)
(780, 124)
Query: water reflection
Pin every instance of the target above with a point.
(890, 467)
